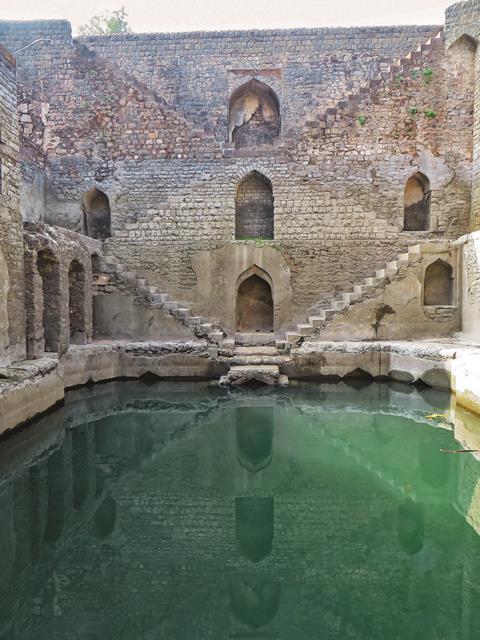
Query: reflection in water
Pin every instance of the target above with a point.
(107, 531)
(411, 526)
(103, 522)
(254, 430)
(254, 602)
(254, 527)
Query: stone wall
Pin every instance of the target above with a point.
(470, 291)
(463, 23)
(12, 320)
(144, 118)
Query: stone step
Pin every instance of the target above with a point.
(204, 328)
(215, 336)
(351, 297)
(182, 313)
(305, 329)
(194, 321)
(255, 339)
(171, 305)
(317, 321)
(142, 282)
(293, 337)
(278, 360)
(363, 288)
(255, 351)
(339, 305)
(239, 375)
(373, 282)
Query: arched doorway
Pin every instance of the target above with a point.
(416, 212)
(76, 302)
(254, 305)
(96, 215)
(49, 270)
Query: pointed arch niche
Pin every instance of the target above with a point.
(254, 212)
(438, 284)
(253, 115)
(254, 302)
(97, 219)
(416, 212)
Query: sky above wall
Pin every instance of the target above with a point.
(189, 15)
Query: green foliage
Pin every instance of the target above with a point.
(427, 75)
(399, 78)
(430, 113)
(413, 111)
(106, 24)
(362, 120)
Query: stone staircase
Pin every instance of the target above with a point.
(109, 275)
(399, 68)
(255, 358)
(367, 289)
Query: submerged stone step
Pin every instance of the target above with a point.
(239, 375)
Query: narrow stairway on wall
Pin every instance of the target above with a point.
(367, 289)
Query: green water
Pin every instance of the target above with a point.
(183, 512)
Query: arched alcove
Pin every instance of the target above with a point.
(97, 221)
(416, 211)
(49, 271)
(76, 302)
(254, 115)
(254, 214)
(438, 284)
(254, 527)
(254, 303)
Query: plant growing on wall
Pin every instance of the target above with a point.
(430, 113)
(413, 111)
(106, 24)
(362, 120)
(427, 75)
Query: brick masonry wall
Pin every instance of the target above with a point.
(145, 118)
(12, 321)
(463, 19)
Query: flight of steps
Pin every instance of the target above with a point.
(110, 273)
(400, 68)
(256, 358)
(369, 288)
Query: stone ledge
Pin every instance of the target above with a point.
(28, 388)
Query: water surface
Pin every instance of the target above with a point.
(180, 511)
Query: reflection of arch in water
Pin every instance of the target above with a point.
(254, 527)
(254, 434)
(80, 467)
(103, 522)
(254, 602)
(411, 526)
(433, 465)
(56, 496)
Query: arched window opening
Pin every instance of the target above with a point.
(97, 220)
(76, 302)
(254, 217)
(254, 305)
(438, 284)
(48, 268)
(416, 213)
(254, 115)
